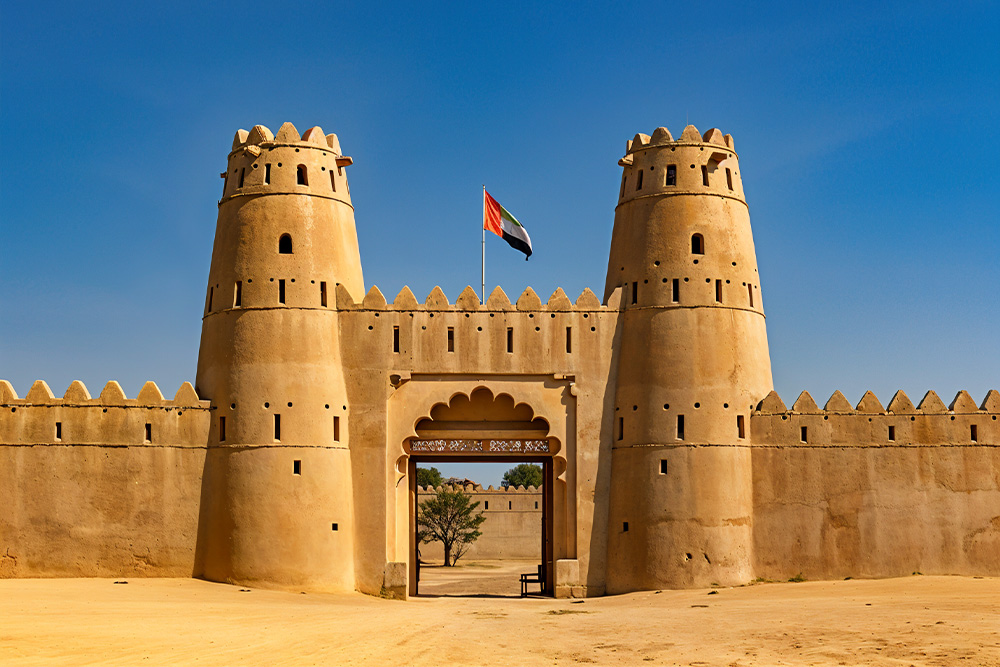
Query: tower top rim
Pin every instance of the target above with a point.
(689, 137)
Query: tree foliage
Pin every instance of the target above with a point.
(451, 519)
(427, 477)
(524, 474)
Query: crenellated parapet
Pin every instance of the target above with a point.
(110, 419)
(262, 163)
(469, 301)
(869, 424)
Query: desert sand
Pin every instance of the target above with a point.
(918, 620)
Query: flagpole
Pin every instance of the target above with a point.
(484, 246)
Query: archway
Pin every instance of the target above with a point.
(484, 427)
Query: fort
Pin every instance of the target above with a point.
(669, 461)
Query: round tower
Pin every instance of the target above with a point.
(692, 362)
(277, 504)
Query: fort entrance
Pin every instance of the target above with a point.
(483, 427)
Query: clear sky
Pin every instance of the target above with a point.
(867, 138)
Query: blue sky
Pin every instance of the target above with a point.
(866, 137)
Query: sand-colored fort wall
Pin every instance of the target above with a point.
(104, 486)
(513, 525)
(876, 492)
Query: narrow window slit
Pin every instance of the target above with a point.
(211, 293)
(333, 181)
(222, 429)
(58, 430)
(635, 292)
(680, 427)
(729, 178)
(395, 339)
(638, 180)
(804, 432)
(301, 175)
(451, 339)
(267, 174)
(718, 291)
(750, 293)
(672, 174)
(704, 175)
(569, 340)
(510, 340)
(285, 244)
(281, 290)
(238, 294)
(277, 428)
(974, 433)
(510, 505)
(624, 526)
(322, 293)
(296, 467)
(663, 466)
(149, 433)
(242, 173)
(336, 429)
(621, 428)
(697, 244)
(675, 290)
(741, 430)
(892, 434)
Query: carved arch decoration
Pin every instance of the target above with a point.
(480, 417)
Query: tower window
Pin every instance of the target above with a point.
(510, 504)
(680, 427)
(697, 244)
(336, 429)
(635, 292)
(622, 194)
(663, 466)
(671, 174)
(238, 294)
(301, 175)
(510, 340)
(222, 429)
(569, 340)
(58, 430)
(395, 339)
(277, 428)
(729, 178)
(285, 244)
(892, 434)
(804, 432)
(675, 290)
(211, 292)
(536, 504)
(741, 430)
(718, 291)
(750, 293)
(333, 181)
(451, 339)
(322, 293)
(638, 180)
(242, 173)
(281, 290)
(624, 526)
(267, 173)
(704, 175)
(149, 433)
(974, 433)
(621, 428)
(296, 467)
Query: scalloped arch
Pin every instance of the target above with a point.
(495, 396)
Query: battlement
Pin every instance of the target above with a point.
(693, 164)
(110, 419)
(478, 488)
(468, 300)
(869, 424)
(286, 163)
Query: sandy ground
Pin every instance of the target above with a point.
(911, 621)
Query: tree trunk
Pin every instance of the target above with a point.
(447, 555)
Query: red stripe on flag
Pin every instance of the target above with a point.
(491, 215)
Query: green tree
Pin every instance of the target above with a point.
(427, 477)
(524, 474)
(451, 519)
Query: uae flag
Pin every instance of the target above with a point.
(499, 221)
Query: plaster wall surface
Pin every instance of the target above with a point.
(100, 487)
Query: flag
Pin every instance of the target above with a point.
(496, 219)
